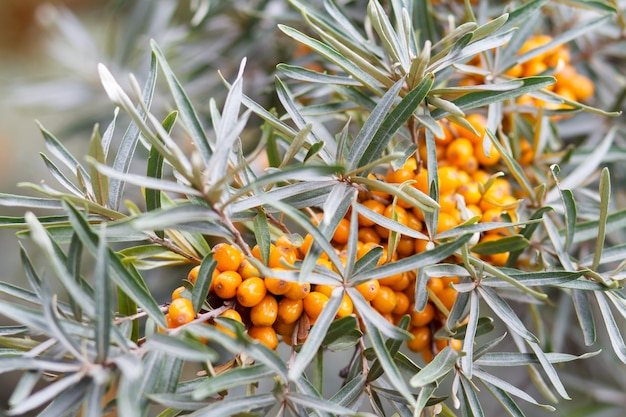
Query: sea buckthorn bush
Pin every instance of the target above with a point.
(409, 198)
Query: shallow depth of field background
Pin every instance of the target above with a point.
(68, 99)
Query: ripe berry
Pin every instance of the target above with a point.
(181, 312)
(226, 283)
(251, 291)
(369, 289)
(264, 334)
(290, 310)
(297, 290)
(385, 301)
(422, 318)
(228, 257)
(421, 339)
(346, 307)
(314, 303)
(231, 314)
(265, 312)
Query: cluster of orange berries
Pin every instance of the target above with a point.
(569, 83)
(270, 307)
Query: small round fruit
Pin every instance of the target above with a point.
(297, 290)
(181, 312)
(265, 312)
(369, 289)
(421, 339)
(226, 283)
(193, 274)
(264, 334)
(385, 302)
(230, 314)
(251, 291)
(178, 292)
(314, 303)
(276, 286)
(447, 296)
(346, 307)
(228, 257)
(290, 310)
(422, 318)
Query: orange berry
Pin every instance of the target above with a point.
(276, 286)
(478, 122)
(447, 134)
(405, 246)
(421, 181)
(193, 274)
(230, 314)
(226, 283)
(399, 176)
(583, 87)
(290, 310)
(470, 192)
(314, 303)
(527, 152)
(435, 285)
(251, 291)
(169, 321)
(247, 270)
(368, 235)
(177, 293)
(228, 257)
(459, 151)
(265, 312)
(391, 280)
(421, 339)
(280, 254)
(484, 160)
(422, 318)
(403, 303)
(297, 290)
(306, 244)
(534, 67)
(449, 179)
(445, 221)
(346, 307)
(342, 232)
(369, 289)
(447, 296)
(325, 289)
(264, 334)
(385, 301)
(181, 312)
(455, 344)
(402, 284)
(447, 202)
(450, 280)
(283, 240)
(421, 245)
(497, 259)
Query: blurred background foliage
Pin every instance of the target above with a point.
(48, 56)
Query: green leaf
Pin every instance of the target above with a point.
(203, 282)
(605, 194)
(48, 393)
(393, 346)
(130, 283)
(99, 183)
(102, 298)
(391, 123)
(484, 98)
(350, 391)
(42, 239)
(584, 314)
(420, 260)
(306, 75)
(262, 236)
(440, 366)
(61, 152)
(615, 336)
(505, 244)
(506, 313)
(188, 114)
(61, 177)
(392, 373)
(472, 402)
(234, 405)
(342, 334)
(467, 364)
(230, 379)
(186, 349)
(128, 391)
(128, 144)
(504, 388)
(549, 370)
(13, 200)
(365, 309)
(66, 402)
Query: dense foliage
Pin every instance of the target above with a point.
(428, 188)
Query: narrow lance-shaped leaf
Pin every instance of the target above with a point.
(126, 149)
(203, 282)
(605, 195)
(102, 299)
(99, 183)
(130, 284)
(155, 166)
(188, 114)
(436, 369)
(394, 121)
